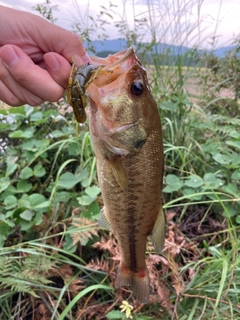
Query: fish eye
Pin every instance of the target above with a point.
(137, 88)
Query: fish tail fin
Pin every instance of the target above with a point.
(138, 281)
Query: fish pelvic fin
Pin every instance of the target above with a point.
(103, 220)
(138, 281)
(157, 235)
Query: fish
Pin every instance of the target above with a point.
(126, 133)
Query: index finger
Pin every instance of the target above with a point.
(52, 38)
(30, 76)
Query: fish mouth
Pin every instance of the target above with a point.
(115, 65)
(122, 57)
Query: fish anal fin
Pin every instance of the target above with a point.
(157, 235)
(138, 281)
(120, 173)
(103, 220)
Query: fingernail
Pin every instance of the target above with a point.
(9, 56)
(86, 58)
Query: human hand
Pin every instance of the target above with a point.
(35, 58)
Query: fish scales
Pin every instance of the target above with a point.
(127, 139)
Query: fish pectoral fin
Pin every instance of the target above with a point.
(120, 174)
(138, 281)
(103, 220)
(157, 235)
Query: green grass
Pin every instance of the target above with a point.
(54, 256)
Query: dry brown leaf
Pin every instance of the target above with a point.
(77, 237)
(65, 271)
(76, 286)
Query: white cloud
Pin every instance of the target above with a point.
(170, 23)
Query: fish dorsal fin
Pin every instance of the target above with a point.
(103, 220)
(157, 235)
(120, 173)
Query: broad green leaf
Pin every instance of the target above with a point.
(74, 149)
(235, 144)
(236, 175)
(209, 146)
(85, 200)
(235, 160)
(36, 199)
(39, 170)
(114, 314)
(38, 218)
(168, 105)
(212, 181)
(4, 127)
(238, 219)
(4, 183)
(23, 203)
(4, 228)
(44, 204)
(29, 155)
(26, 173)
(68, 244)
(57, 134)
(68, 180)
(8, 219)
(92, 212)
(36, 116)
(85, 182)
(29, 110)
(10, 202)
(17, 110)
(3, 112)
(68, 130)
(27, 215)
(93, 191)
(29, 145)
(25, 225)
(23, 186)
(28, 133)
(190, 193)
(222, 158)
(21, 134)
(231, 189)
(84, 174)
(234, 134)
(173, 183)
(229, 211)
(41, 144)
(62, 196)
(194, 181)
(11, 167)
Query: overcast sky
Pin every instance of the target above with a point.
(178, 22)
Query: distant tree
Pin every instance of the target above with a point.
(46, 10)
(105, 53)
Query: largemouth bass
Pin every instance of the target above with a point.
(126, 133)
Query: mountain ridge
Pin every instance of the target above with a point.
(115, 45)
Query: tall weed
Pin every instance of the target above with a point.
(49, 192)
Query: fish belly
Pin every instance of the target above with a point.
(133, 211)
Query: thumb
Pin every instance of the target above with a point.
(58, 67)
